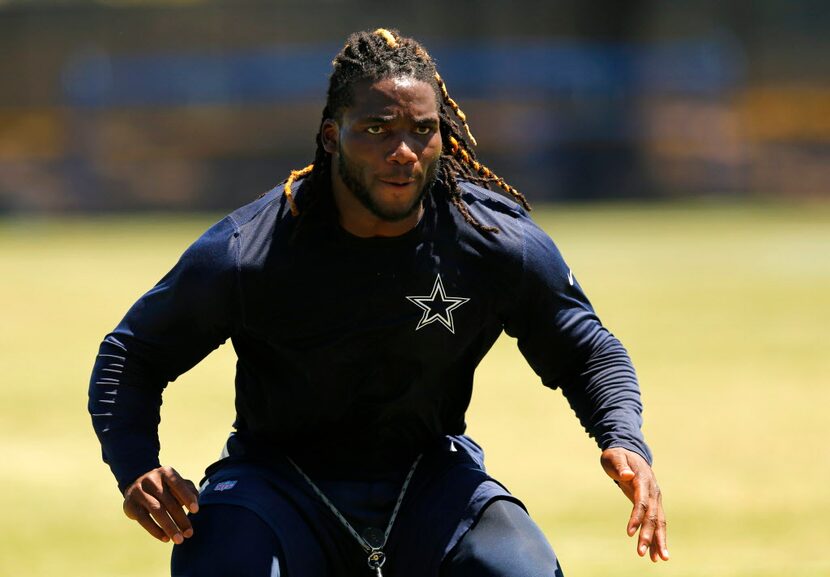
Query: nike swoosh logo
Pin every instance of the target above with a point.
(571, 277)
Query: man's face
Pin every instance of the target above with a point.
(385, 148)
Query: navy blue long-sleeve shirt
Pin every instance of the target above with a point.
(356, 353)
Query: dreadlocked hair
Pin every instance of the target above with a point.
(377, 55)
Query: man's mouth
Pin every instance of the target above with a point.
(398, 181)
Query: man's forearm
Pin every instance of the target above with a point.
(605, 396)
(125, 414)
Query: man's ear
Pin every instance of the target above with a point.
(330, 135)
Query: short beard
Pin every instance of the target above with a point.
(361, 193)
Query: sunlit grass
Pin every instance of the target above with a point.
(724, 309)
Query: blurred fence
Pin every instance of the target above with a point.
(634, 107)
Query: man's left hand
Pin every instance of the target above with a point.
(636, 479)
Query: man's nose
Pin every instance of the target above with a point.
(404, 152)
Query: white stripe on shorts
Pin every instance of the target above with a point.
(275, 567)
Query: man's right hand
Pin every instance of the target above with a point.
(156, 500)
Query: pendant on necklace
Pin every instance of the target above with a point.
(376, 560)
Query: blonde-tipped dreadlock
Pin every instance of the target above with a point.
(457, 149)
(377, 55)
(391, 41)
(455, 108)
(286, 189)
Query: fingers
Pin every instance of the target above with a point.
(151, 513)
(659, 548)
(156, 499)
(141, 514)
(636, 479)
(638, 512)
(170, 515)
(183, 490)
(648, 516)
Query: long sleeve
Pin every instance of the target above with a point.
(565, 343)
(189, 313)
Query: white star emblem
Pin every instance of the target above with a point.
(437, 306)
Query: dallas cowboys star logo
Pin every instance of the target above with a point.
(437, 306)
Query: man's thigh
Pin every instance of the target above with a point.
(504, 542)
(228, 540)
(243, 502)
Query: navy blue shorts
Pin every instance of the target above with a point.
(447, 493)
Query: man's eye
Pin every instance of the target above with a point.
(423, 130)
(375, 130)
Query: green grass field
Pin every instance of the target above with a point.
(724, 309)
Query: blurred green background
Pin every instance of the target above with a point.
(678, 152)
(724, 309)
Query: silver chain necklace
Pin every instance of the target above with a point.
(377, 557)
